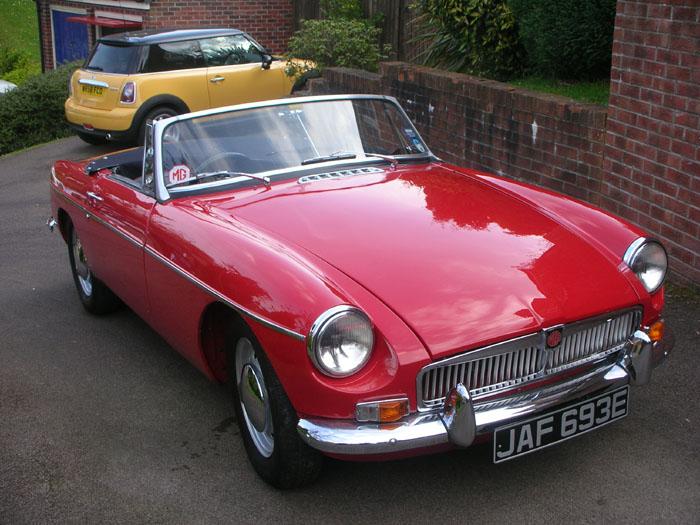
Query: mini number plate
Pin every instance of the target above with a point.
(528, 436)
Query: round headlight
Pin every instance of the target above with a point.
(340, 341)
(648, 260)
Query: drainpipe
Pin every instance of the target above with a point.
(41, 35)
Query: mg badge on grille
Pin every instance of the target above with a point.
(553, 338)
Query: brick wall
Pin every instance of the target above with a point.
(652, 165)
(647, 171)
(547, 140)
(270, 22)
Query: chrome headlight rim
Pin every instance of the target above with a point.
(633, 252)
(317, 329)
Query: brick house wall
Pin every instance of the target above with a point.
(652, 157)
(270, 22)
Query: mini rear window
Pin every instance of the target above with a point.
(111, 58)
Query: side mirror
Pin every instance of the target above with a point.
(266, 61)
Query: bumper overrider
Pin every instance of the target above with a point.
(461, 420)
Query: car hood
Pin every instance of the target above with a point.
(462, 262)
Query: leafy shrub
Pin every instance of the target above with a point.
(334, 43)
(33, 113)
(472, 36)
(347, 9)
(567, 39)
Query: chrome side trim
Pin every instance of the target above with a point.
(92, 82)
(91, 215)
(208, 289)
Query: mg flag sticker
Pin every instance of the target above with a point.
(179, 174)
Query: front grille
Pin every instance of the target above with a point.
(504, 365)
(586, 341)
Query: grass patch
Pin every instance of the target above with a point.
(593, 92)
(19, 36)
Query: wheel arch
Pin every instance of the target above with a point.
(218, 323)
(64, 221)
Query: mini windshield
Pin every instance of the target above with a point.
(276, 139)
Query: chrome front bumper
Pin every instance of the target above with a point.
(461, 420)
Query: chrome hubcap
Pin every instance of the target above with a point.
(81, 266)
(254, 398)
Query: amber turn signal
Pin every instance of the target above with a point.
(382, 411)
(656, 331)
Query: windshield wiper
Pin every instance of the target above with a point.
(326, 158)
(224, 173)
(94, 68)
(394, 161)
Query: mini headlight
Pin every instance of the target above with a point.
(340, 341)
(648, 260)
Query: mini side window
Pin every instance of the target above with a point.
(230, 50)
(171, 56)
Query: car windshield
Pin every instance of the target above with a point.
(112, 58)
(279, 140)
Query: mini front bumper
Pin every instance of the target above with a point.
(462, 420)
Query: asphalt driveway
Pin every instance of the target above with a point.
(100, 421)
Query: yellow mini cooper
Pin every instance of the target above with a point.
(132, 79)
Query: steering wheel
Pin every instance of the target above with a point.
(219, 156)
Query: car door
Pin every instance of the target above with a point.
(235, 74)
(120, 207)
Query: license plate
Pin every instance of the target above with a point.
(549, 429)
(91, 90)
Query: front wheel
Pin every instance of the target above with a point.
(94, 294)
(267, 419)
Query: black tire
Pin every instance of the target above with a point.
(93, 293)
(95, 140)
(156, 113)
(291, 463)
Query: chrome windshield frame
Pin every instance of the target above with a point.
(163, 194)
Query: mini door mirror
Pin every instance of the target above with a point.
(266, 61)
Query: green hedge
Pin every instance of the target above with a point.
(33, 113)
(472, 36)
(567, 39)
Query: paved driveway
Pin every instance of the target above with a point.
(100, 421)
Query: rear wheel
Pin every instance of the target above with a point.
(95, 296)
(95, 140)
(159, 113)
(266, 417)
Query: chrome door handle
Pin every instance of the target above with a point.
(217, 79)
(94, 197)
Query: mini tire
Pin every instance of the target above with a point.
(268, 428)
(95, 296)
(157, 113)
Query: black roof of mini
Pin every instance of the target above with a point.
(158, 36)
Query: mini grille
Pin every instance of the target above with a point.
(510, 363)
(337, 174)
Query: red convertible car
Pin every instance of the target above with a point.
(364, 299)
